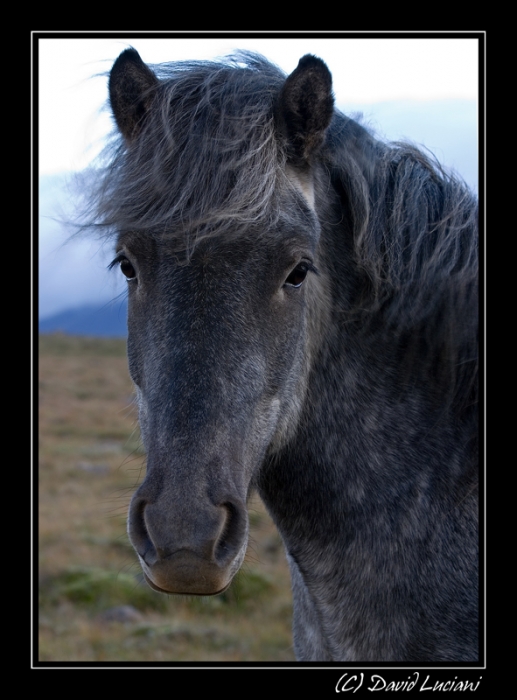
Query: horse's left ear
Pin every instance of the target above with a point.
(131, 85)
(305, 109)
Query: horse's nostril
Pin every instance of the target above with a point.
(138, 532)
(232, 534)
(161, 531)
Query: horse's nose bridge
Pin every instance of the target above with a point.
(188, 392)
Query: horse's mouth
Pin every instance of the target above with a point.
(195, 590)
(192, 585)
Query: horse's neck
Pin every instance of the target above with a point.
(365, 447)
(366, 466)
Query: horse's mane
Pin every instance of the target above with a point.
(415, 229)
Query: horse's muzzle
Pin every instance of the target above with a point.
(192, 550)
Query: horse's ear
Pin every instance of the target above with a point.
(131, 86)
(305, 108)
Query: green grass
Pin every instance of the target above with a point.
(98, 589)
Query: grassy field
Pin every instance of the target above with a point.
(93, 605)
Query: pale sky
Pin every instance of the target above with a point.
(365, 71)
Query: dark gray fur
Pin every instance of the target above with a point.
(302, 321)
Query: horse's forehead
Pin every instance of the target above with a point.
(294, 229)
(303, 182)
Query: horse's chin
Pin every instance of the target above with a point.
(152, 585)
(171, 582)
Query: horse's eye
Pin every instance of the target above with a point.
(127, 269)
(297, 276)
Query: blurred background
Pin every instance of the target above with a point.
(93, 606)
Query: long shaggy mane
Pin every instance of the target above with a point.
(415, 230)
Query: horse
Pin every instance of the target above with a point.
(302, 323)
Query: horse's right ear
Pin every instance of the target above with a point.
(305, 108)
(131, 85)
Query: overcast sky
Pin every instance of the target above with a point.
(72, 122)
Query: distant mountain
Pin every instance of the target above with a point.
(107, 320)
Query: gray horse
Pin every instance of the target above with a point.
(302, 322)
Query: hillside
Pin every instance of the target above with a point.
(106, 320)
